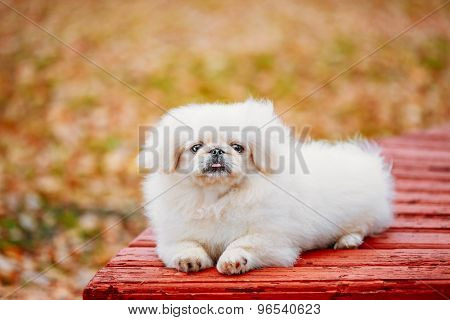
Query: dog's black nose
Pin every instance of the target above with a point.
(216, 152)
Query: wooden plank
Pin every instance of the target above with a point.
(389, 239)
(421, 174)
(145, 239)
(422, 198)
(422, 186)
(365, 289)
(139, 257)
(408, 240)
(407, 153)
(277, 274)
(271, 283)
(422, 222)
(422, 209)
(413, 164)
(375, 257)
(132, 257)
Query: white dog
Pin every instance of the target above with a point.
(235, 189)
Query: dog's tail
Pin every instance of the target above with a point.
(374, 148)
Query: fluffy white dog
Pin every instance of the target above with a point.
(234, 188)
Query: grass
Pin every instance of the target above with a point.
(69, 132)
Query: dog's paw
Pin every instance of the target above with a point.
(192, 260)
(349, 241)
(234, 261)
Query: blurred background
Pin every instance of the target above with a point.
(69, 131)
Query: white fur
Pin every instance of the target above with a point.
(266, 219)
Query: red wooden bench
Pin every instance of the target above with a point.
(410, 260)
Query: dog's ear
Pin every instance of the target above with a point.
(162, 148)
(170, 162)
(263, 155)
(172, 138)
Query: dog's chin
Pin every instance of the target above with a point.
(210, 176)
(217, 171)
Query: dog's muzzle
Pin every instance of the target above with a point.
(216, 162)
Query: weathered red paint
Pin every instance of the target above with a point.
(409, 261)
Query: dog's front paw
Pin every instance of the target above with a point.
(349, 241)
(192, 260)
(234, 261)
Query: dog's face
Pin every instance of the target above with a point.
(218, 159)
(217, 144)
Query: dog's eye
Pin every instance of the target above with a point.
(196, 147)
(237, 147)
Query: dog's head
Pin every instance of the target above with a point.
(217, 143)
